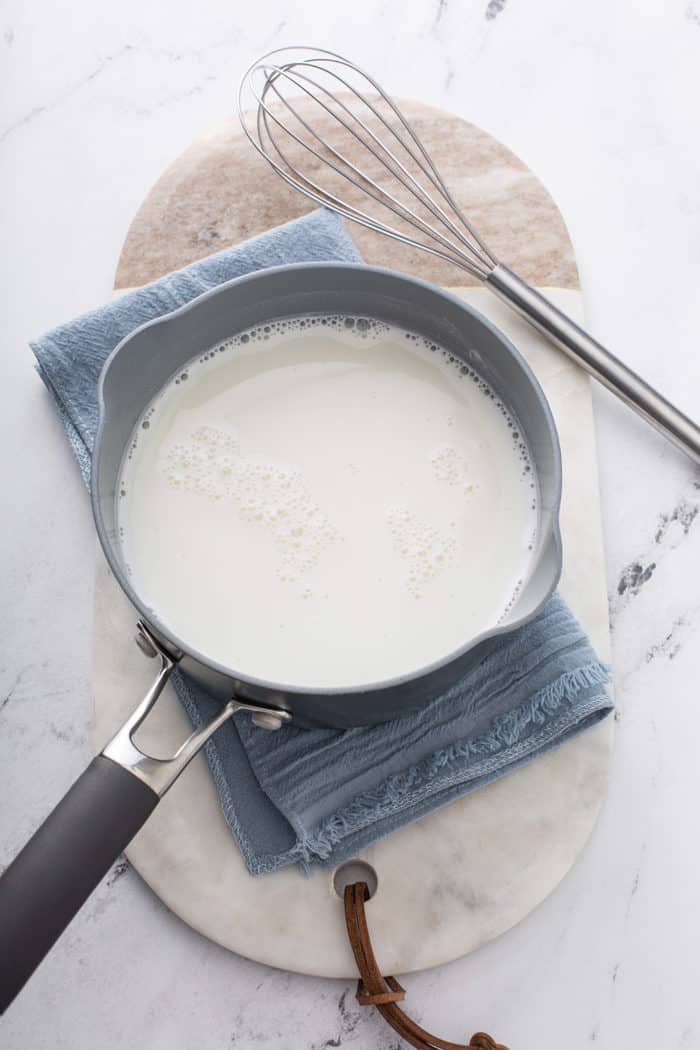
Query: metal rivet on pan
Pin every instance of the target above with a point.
(145, 645)
(266, 720)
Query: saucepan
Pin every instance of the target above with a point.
(57, 870)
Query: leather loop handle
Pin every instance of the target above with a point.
(385, 992)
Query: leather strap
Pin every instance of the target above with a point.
(386, 992)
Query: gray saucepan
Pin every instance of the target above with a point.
(57, 870)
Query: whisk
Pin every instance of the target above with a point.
(372, 146)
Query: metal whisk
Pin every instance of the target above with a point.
(296, 89)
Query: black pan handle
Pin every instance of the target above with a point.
(53, 876)
(49, 881)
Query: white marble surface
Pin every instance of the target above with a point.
(601, 99)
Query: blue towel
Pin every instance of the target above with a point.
(318, 796)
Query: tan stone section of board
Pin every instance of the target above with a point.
(219, 192)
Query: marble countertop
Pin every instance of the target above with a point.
(601, 101)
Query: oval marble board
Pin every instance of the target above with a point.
(471, 870)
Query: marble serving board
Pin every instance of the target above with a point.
(470, 871)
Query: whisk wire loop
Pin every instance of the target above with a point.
(279, 125)
(387, 155)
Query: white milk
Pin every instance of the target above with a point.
(327, 502)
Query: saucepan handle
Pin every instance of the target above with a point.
(49, 881)
(55, 873)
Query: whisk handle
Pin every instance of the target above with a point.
(601, 364)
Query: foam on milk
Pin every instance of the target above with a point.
(327, 501)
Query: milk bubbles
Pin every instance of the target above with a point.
(327, 501)
(210, 463)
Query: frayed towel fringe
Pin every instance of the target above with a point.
(506, 732)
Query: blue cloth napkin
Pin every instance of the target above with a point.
(318, 796)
